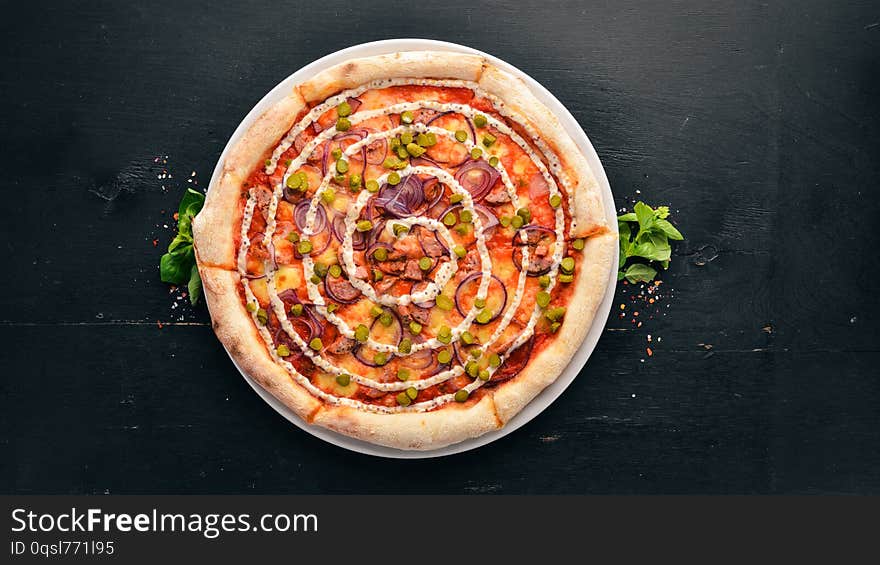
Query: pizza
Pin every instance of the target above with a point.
(405, 249)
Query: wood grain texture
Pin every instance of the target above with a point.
(758, 123)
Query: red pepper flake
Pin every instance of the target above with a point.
(176, 216)
(159, 324)
(648, 350)
(155, 243)
(636, 314)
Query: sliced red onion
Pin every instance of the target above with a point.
(477, 177)
(358, 239)
(353, 136)
(372, 212)
(438, 369)
(271, 248)
(396, 321)
(340, 290)
(373, 247)
(281, 338)
(362, 355)
(488, 219)
(538, 266)
(289, 296)
(471, 277)
(309, 317)
(426, 116)
(462, 351)
(419, 360)
(403, 199)
(300, 212)
(378, 230)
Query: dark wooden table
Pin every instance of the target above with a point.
(758, 124)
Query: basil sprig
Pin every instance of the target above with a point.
(178, 266)
(649, 242)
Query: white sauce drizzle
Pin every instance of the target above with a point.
(434, 288)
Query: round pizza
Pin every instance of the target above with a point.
(406, 249)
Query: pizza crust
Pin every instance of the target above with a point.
(414, 430)
(213, 240)
(216, 233)
(422, 64)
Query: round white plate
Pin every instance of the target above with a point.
(580, 357)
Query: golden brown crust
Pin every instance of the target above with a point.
(213, 231)
(422, 64)
(235, 329)
(215, 234)
(413, 430)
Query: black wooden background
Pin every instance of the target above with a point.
(757, 123)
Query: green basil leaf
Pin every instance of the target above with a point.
(639, 272)
(625, 234)
(190, 205)
(651, 242)
(184, 221)
(178, 241)
(191, 197)
(194, 285)
(653, 246)
(175, 268)
(652, 252)
(645, 215)
(178, 266)
(668, 229)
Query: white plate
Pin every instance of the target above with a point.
(580, 357)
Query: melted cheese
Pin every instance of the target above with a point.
(266, 290)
